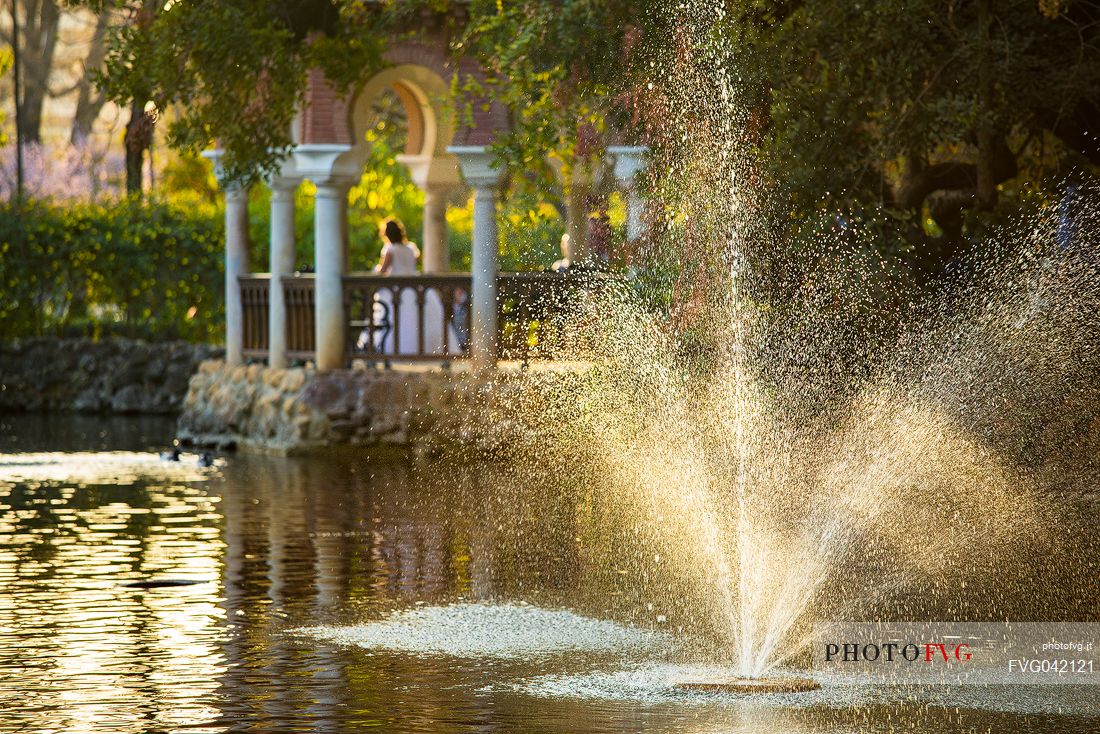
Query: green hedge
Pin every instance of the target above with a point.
(152, 270)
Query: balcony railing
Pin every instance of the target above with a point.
(415, 317)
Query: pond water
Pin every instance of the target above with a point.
(335, 594)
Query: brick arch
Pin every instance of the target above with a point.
(417, 71)
(423, 95)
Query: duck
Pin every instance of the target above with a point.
(206, 459)
(173, 455)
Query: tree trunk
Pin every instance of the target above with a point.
(38, 32)
(139, 130)
(986, 189)
(139, 135)
(89, 101)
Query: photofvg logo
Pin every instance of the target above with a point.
(889, 652)
(940, 652)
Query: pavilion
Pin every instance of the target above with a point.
(264, 313)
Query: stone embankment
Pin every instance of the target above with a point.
(300, 409)
(107, 376)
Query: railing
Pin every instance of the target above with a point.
(533, 307)
(417, 317)
(300, 324)
(407, 317)
(254, 302)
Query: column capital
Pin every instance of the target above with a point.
(334, 187)
(438, 172)
(580, 172)
(228, 187)
(215, 155)
(283, 187)
(235, 193)
(328, 164)
(478, 165)
(630, 160)
(286, 180)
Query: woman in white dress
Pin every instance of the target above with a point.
(399, 257)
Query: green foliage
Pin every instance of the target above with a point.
(557, 65)
(6, 59)
(530, 229)
(530, 233)
(875, 111)
(237, 69)
(859, 92)
(385, 190)
(152, 270)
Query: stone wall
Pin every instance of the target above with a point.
(112, 375)
(300, 410)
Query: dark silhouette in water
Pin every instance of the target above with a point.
(205, 458)
(161, 583)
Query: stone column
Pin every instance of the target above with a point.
(576, 221)
(629, 162)
(436, 250)
(236, 265)
(330, 227)
(576, 180)
(283, 189)
(477, 168)
(236, 258)
(635, 207)
(435, 174)
(333, 167)
(484, 336)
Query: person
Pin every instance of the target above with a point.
(399, 257)
(1066, 235)
(1054, 267)
(560, 266)
(599, 240)
(460, 319)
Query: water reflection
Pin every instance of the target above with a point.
(280, 544)
(75, 644)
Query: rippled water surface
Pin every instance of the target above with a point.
(337, 594)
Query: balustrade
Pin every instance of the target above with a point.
(532, 307)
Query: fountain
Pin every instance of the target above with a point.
(757, 469)
(750, 685)
(767, 483)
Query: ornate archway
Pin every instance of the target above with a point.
(424, 96)
(331, 148)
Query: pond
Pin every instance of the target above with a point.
(335, 594)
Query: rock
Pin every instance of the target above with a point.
(88, 401)
(130, 399)
(301, 409)
(91, 376)
(293, 380)
(330, 393)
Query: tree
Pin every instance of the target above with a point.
(142, 123)
(924, 107)
(928, 109)
(90, 99)
(236, 69)
(39, 21)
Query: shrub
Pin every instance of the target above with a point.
(151, 270)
